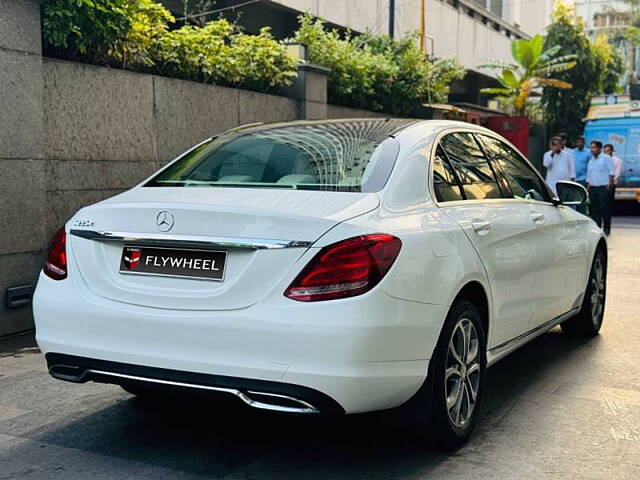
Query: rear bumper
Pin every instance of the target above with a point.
(261, 394)
(361, 354)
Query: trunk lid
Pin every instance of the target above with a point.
(257, 216)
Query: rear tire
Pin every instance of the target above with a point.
(588, 321)
(446, 407)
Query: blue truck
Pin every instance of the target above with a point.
(616, 120)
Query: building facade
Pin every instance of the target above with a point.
(612, 18)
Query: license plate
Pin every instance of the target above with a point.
(169, 262)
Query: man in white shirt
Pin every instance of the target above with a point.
(617, 162)
(617, 165)
(600, 182)
(559, 164)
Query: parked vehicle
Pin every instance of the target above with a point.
(616, 120)
(324, 268)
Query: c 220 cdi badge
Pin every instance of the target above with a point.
(324, 267)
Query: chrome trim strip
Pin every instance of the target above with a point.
(189, 241)
(244, 396)
(500, 351)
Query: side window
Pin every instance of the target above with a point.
(445, 184)
(521, 177)
(472, 167)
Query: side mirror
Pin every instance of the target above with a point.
(571, 193)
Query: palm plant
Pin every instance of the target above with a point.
(532, 70)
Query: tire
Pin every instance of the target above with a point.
(447, 414)
(588, 321)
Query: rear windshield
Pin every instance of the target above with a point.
(355, 156)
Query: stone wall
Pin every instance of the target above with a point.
(23, 207)
(107, 129)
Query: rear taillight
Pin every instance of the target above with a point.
(346, 269)
(55, 266)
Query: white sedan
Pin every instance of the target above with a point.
(324, 267)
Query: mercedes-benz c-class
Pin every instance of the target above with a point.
(324, 267)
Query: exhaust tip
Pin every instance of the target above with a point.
(69, 373)
(276, 402)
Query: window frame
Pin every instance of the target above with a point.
(500, 181)
(443, 133)
(455, 176)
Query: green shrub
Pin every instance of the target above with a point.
(219, 53)
(85, 30)
(104, 32)
(377, 72)
(134, 34)
(359, 77)
(149, 23)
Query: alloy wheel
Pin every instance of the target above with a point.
(597, 292)
(462, 372)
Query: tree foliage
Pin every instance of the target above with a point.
(533, 70)
(612, 64)
(377, 72)
(565, 109)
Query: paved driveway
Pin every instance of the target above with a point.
(557, 409)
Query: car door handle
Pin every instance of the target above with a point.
(480, 227)
(538, 218)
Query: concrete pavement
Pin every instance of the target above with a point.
(557, 409)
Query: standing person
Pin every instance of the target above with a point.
(600, 182)
(581, 157)
(559, 164)
(565, 140)
(617, 165)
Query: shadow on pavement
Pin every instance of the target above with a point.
(215, 438)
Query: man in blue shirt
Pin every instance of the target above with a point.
(581, 157)
(600, 182)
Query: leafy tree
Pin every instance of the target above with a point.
(565, 109)
(533, 68)
(612, 64)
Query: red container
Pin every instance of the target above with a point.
(514, 129)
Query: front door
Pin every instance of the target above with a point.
(556, 237)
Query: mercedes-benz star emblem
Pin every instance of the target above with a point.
(165, 221)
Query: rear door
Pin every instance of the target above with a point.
(496, 225)
(558, 236)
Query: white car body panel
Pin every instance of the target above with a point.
(201, 212)
(368, 352)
